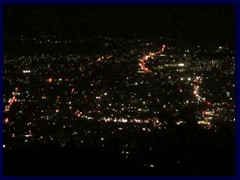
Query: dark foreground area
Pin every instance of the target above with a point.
(165, 152)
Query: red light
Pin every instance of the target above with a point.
(6, 121)
(50, 80)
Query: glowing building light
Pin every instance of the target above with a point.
(181, 64)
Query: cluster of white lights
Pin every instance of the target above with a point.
(26, 71)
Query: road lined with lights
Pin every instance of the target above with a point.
(10, 101)
(197, 81)
(146, 58)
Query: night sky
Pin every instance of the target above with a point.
(188, 22)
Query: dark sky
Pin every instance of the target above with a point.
(197, 22)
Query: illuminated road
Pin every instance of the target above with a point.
(146, 58)
(197, 82)
(10, 101)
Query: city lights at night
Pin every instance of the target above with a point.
(119, 90)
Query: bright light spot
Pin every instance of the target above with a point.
(189, 79)
(26, 71)
(181, 64)
(50, 80)
(6, 121)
